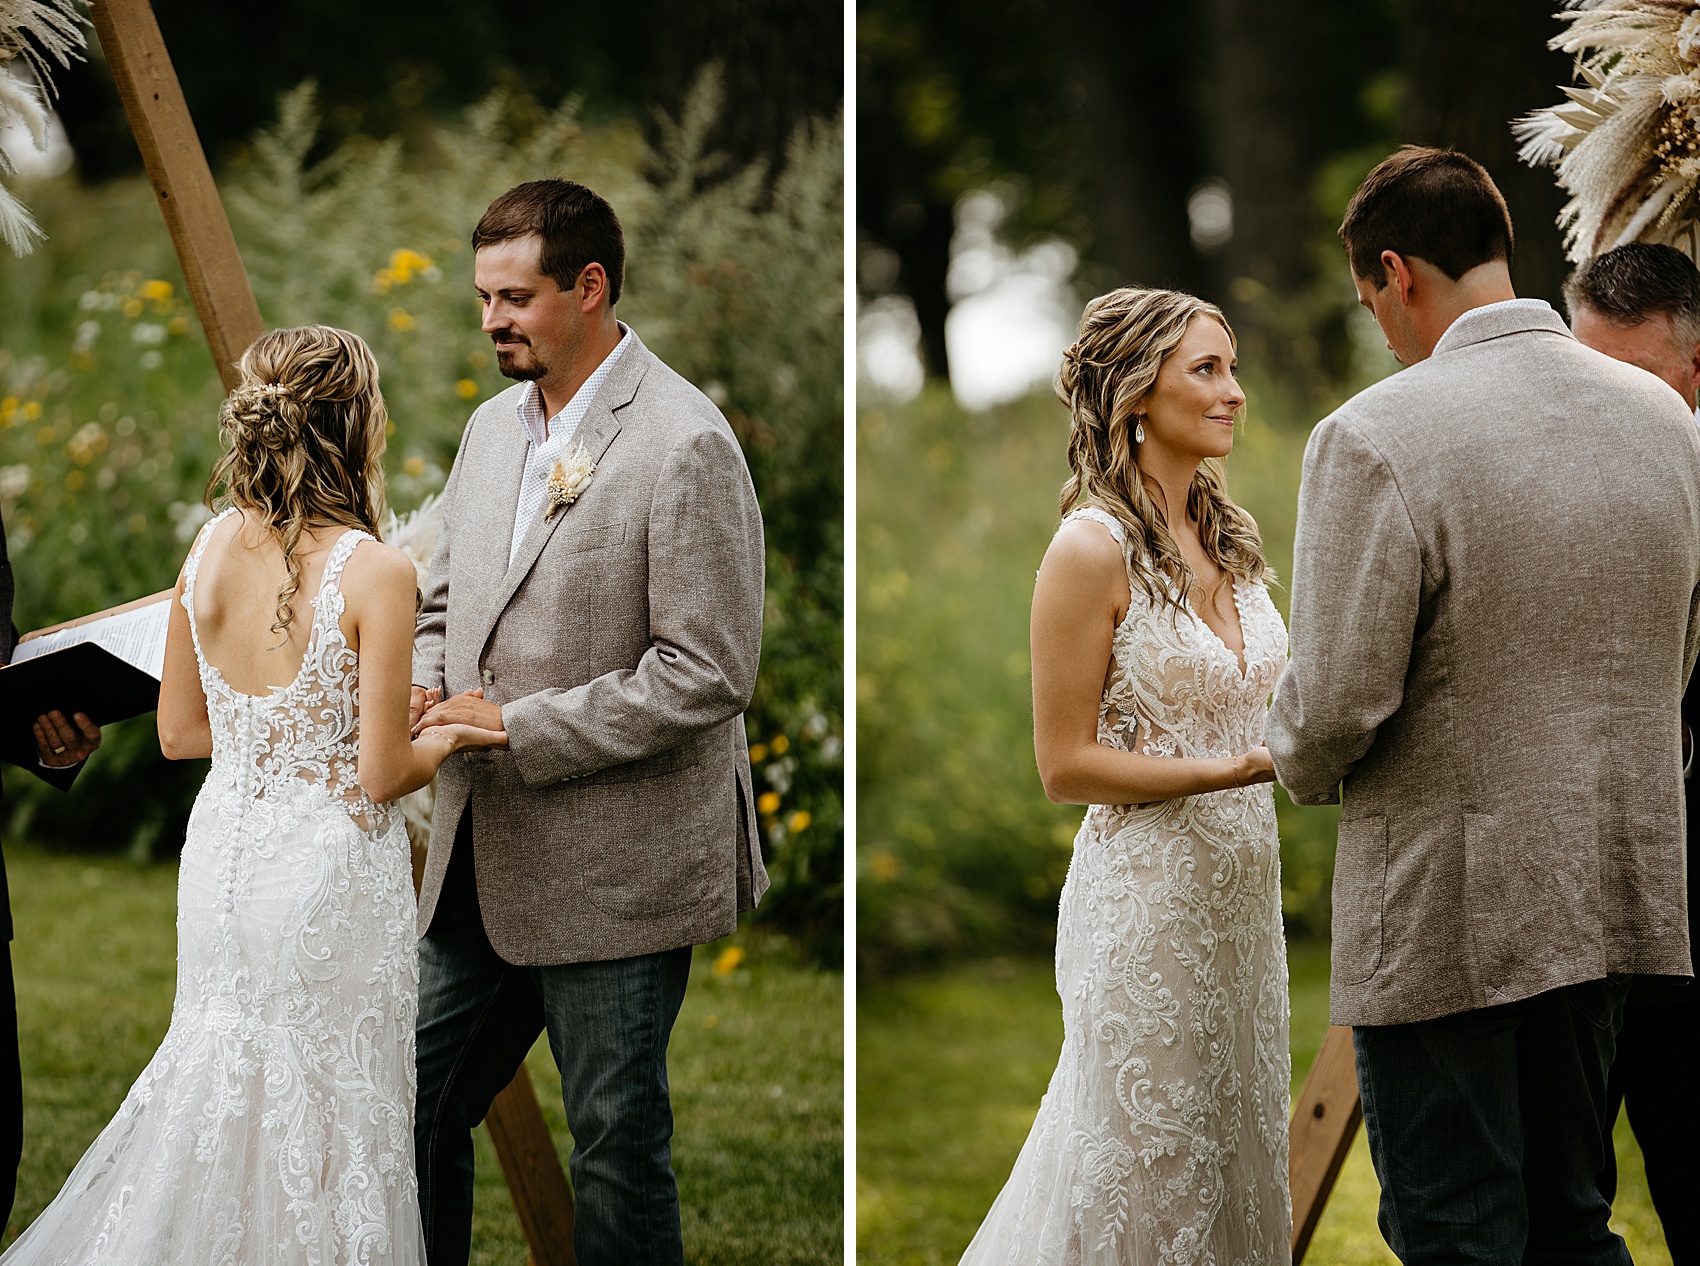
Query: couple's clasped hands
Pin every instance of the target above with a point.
(1254, 767)
(460, 721)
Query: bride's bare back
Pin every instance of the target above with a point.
(242, 572)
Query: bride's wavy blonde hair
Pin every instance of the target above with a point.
(1125, 336)
(303, 437)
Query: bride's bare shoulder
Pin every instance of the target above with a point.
(1084, 545)
(373, 562)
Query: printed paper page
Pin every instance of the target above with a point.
(137, 637)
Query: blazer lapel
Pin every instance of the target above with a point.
(601, 423)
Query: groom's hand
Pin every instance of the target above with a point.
(62, 744)
(469, 708)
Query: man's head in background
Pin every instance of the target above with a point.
(1641, 304)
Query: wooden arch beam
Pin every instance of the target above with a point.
(218, 284)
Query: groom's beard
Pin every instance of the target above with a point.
(515, 360)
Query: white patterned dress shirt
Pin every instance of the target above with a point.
(548, 440)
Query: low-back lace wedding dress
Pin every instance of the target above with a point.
(1162, 1138)
(275, 1123)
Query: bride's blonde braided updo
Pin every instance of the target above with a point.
(303, 439)
(1125, 336)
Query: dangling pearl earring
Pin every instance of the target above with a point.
(1139, 431)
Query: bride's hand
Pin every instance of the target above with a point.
(1255, 766)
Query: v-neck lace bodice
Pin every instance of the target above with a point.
(1175, 687)
(1162, 1140)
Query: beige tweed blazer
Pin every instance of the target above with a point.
(1493, 621)
(622, 646)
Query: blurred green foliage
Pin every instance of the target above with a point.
(959, 850)
(108, 398)
(950, 1067)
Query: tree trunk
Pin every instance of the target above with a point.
(1472, 69)
(1143, 147)
(1267, 139)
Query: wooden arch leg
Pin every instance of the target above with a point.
(1325, 1121)
(218, 284)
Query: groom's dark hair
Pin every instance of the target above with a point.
(576, 225)
(1431, 204)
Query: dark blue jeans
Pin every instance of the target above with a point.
(608, 1025)
(1487, 1130)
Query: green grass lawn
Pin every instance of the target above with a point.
(950, 1068)
(756, 1067)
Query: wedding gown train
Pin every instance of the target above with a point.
(274, 1125)
(1162, 1139)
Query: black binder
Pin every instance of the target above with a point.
(84, 678)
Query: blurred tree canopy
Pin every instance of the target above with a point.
(1101, 119)
(381, 64)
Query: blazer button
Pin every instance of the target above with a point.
(487, 677)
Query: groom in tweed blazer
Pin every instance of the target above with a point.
(596, 594)
(1495, 611)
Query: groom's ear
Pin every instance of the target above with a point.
(592, 286)
(1398, 273)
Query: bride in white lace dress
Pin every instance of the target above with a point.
(1163, 1136)
(275, 1123)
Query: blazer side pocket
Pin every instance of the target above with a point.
(1360, 885)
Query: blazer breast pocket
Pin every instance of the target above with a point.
(595, 536)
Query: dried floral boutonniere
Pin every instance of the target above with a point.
(568, 481)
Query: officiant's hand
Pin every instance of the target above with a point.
(468, 708)
(63, 744)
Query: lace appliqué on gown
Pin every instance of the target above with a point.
(275, 1123)
(1162, 1139)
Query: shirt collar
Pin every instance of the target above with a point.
(530, 407)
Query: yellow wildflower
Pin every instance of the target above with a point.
(74, 481)
(799, 821)
(32, 410)
(133, 307)
(768, 802)
(401, 320)
(780, 745)
(726, 962)
(179, 324)
(382, 280)
(883, 866)
(466, 389)
(758, 753)
(414, 465)
(404, 263)
(158, 291)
